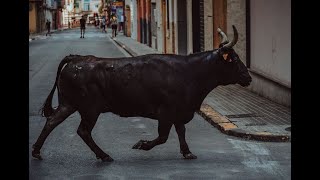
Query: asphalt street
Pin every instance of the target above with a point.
(66, 156)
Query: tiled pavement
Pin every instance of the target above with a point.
(233, 109)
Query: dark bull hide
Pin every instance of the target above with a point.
(168, 88)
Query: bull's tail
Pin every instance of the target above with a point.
(47, 109)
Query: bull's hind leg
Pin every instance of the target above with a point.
(52, 121)
(88, 120)
(184, 149)
(163, 131)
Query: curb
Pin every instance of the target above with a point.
(128, 50)
(227, 127)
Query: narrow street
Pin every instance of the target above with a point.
(66, 156)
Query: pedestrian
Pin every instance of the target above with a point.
(114, 25)
(68, 24)
(121, 23)
(103, 24)
(48, 24)
(82, 27)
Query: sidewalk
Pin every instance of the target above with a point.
(234, 110)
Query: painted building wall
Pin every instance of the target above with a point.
(175, 22)
(94, 6)
(127, 20)
(270, 45)
(181, 30)
(154, 18)
(49, 13)
(69, 11)
(134, 19)
(170, 26)
(189, 27)
(65, 16)
(273, 57)
(32, 18)
(148, 22)
(270, 27)
(85, 5)
(143, 22)
(236, 15)
(160, 29)
(208, 25)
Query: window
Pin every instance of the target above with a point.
(76, 5)
(86, 7)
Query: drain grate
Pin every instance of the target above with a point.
(256, 124)
(243, 115)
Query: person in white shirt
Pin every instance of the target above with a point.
(103, 24)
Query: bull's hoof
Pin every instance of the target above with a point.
(36, 155)
(189, 156)
(107, 159)
(139, 144)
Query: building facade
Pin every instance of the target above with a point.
(35, 19)
(42, 10)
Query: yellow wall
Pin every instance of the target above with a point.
(32, 19)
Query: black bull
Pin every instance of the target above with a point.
(168, 88)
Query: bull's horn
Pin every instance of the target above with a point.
(223, 36)
(235, 38)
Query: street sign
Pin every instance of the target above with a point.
(117, 4)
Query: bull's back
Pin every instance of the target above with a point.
(130, 87)
(143, 88)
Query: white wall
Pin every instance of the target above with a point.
(271, 39)
(208, 25)
(93, 7)
(159, 26)
(175, 20)
(48, 14)
(133, 7)
(64, 17)
(236, 15)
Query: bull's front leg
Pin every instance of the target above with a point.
(184, 149)
(163, 131)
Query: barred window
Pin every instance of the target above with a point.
(86, 7)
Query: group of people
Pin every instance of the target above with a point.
(114, 24)
(113, 21)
